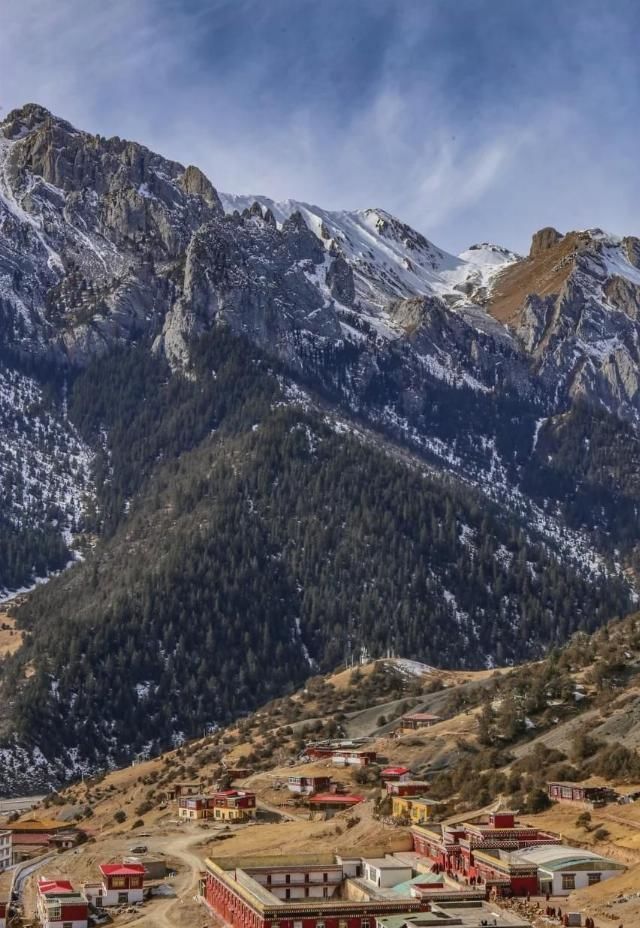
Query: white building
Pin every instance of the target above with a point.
(5, 850)
(296, 881)
(385, 872)
(562, 869)
(60, 906)
(122, 884)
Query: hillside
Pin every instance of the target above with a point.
(267, 434)
(573, 715)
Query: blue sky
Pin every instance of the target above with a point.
(471, 119)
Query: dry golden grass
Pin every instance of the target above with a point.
(544, 275)
(10, 636)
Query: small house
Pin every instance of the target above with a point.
(563, 791)
(417, 809)
(415, 721)
(122, 884)
(395, 774)
(307, 785)
(406, 787)
(59, 905)
(333, 802)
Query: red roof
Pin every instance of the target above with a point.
(54, 887)
(394, 771)
(332, 797)
(122, 869)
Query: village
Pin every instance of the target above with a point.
(315, 844)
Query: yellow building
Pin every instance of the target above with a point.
(416, 809)
(229, 805)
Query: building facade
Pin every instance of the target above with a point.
(228, 805)
(417, 720)
(333, 802)
(122, 884)
(562, 791)
(307, 785)
(407, 788)
(59, 905)
(416, 809)
(303, 893)
(480, 852)
(563, 869)
(6, 853)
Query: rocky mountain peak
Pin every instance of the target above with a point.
(544, 239)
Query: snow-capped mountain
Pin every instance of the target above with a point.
(389, 259)
(103, 243)
(145, 320)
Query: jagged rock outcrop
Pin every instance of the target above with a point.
(543, 240)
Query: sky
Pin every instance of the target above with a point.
(472, 120)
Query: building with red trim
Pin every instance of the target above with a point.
(417, 720)
(343, 753)
(407, 788)
(395, 774)
(226, 805)
(308, 892)
(474, 850)
(307, 785)
(59, 904)
(562, 791)
(333, 802)
(122, 884)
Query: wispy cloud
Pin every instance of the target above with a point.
(482, 119)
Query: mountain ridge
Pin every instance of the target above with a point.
(173, 362)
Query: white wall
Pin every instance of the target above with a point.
(582, 879)
(110, 897)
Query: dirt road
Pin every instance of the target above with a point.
(181, 911)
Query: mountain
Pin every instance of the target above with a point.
(269, 434)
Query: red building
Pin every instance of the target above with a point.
(281, 893)
(562, 791)
(341, 753)
(407, 788)
(59, 904)
(395, 774)
(475, 850)
(333, 802)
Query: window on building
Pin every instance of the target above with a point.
(320, 925)
(365, 923)
(117, 882)
(568, 881)
(342, 923)
(325, 892)
(594, 878)
(268, 879)
(287, 894)
(67, 925)
(123, 898)
(325, 877)
(287, 878)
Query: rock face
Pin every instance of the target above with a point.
(103, 242)
(543, 240)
